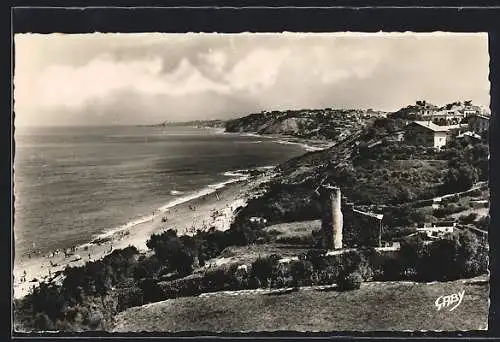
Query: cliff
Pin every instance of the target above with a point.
(314, 124)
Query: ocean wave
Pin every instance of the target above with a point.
(245, 172)
(255, 135)
(306, 147)
(236, 176)
(176, 192)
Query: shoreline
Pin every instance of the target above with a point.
(211, 210)
(211, 207)
(307, 144)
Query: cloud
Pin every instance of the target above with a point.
(73, 86)
(133, 78)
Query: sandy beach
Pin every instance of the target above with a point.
(215, 209)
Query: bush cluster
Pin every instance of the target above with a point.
(85, 300)
(461, 254)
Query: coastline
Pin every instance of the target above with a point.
(307, 144)
(213, 206)
(211, 211)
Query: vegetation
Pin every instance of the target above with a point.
(374, 307)
(375, 172)
(458, 255)
(90, 295)
(350, 281)
(370, 169)
(317, 124)
(85, 299)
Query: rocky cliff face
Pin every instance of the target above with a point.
(320, 124)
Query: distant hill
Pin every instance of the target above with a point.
(199, 123)
(195, 123)
(317, 124)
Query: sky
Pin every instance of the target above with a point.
(109, 78)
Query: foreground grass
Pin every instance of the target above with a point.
(374, 307)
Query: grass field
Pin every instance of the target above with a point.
(300, 229)
(375, 307)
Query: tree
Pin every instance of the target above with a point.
(411, 251)
(48, 299)
(457, 255)
(459, 178)
(178, 253)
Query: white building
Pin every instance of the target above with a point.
(425, 133)
(436, 231)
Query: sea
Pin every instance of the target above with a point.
(72, 184)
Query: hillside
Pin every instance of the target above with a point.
(371, 171)
(374, 307)
(317, 124)
(377, 173)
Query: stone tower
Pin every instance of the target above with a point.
(332, 219)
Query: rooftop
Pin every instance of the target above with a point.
(377, 216)
(432, 126)
(482, 116)
(469, 134)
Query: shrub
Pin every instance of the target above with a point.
(467, 219)
(317, 258)
(95, 320)
(48, 299)
(391, 269)
(263, 269)
(351, 261)
(451, 208)
(179, 253)
(301, 272)
(460, 177)
(146, 267)
(217, 280)
(349, 281)
(458, 255)
(42, 322)
(151, 291)
(129, 297)
(254, 283)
